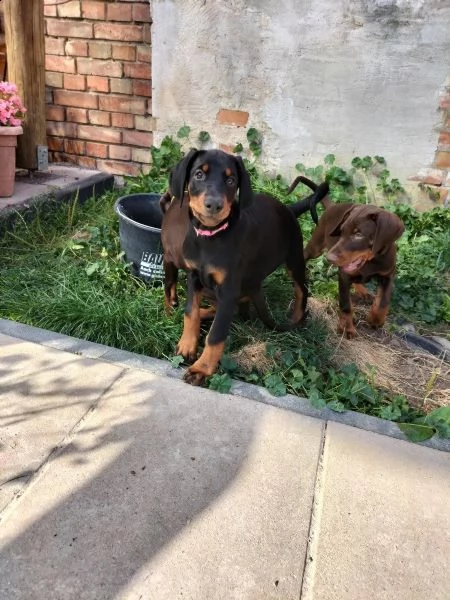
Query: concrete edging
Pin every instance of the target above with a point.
(160, 367)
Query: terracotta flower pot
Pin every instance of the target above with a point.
(8, 143)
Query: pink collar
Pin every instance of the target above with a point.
(211, 232)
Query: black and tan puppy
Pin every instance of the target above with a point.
(360, 240)
(229, 241)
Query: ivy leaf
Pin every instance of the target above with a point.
(316, 400)
(204, 136)
(176, 361)
(92, 268)
(390, 412)
(329, 159)
(220, 383)
(337, 406)
(275, 385)
(184, 131)
(415, 432)
(238, 148)
(228, 363)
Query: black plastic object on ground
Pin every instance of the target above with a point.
(140, 219)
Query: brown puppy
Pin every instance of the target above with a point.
(360, 240)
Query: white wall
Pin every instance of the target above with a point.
(316, 76)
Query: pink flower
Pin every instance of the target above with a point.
(12, 110)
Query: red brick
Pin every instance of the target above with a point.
(66, 28)
(97, 150)
(74, 82)
(123, 104)
(144, 123)
(226, 148)
(93, 66)
(118, 31)
(87, 162)
(121, 86)
(144, 53)
(99, 134)
(54, 46)
(99, 117)
(141, 12)
(119, 152)
(61, 129)
(147, 34)
(118, 12)
(141, 155)
(69, 9)
(61, 64)
(124, 52)
(74, 147)
(55, 144)
(76, 48)
(444, 101)
(142, 87)
(124, 121)
(444, 138)
(53, 80)
(100, 50)
(232, 117)
(78, 99)
(119, 168)
(137, 70)
(442, 160)
(97, 84)
(77, 115)
(49, 11)
(138, 138)
(90, 9)
(54, 113)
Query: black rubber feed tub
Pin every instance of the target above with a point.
(140, 219)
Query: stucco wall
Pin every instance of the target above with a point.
(352, 77)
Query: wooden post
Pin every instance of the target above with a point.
(25, 51)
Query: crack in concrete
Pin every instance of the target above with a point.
(309, 568)
(57, 450)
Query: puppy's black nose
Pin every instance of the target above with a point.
(213, 204)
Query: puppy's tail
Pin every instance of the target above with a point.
(309, 203)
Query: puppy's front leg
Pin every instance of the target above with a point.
(187, 346)
(380, 306)
(345, 324)
(207, 363)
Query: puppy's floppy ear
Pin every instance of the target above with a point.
(180, 174)
(245, 187)
(389, 229)
(336, 231)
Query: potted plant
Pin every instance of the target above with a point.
(12, 113)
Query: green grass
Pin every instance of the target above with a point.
(63, 270)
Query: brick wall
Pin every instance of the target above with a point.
(98, 80)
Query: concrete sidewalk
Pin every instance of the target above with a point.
(119, 482)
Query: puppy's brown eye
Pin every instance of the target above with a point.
(199, 175)
(230, 181)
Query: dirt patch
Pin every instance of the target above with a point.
(423, 378)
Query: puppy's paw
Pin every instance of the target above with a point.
(187, 349)
(194, 378)
(376, 318)
(346, 326)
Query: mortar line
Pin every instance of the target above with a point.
(57, 450)
(309, 567)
